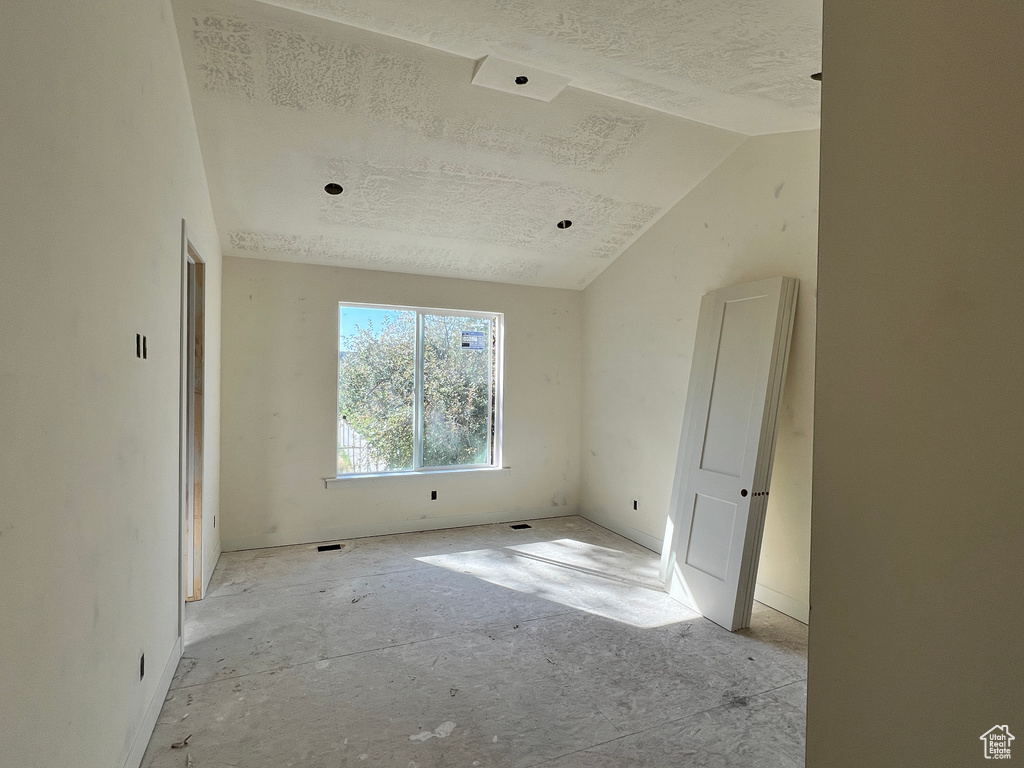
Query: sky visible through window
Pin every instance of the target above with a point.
(352, 319)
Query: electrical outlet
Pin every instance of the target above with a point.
(635, 505)
(142, 666)
(433, 495)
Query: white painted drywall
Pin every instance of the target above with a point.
(99, 163)
(280, 406)
(753, 217)
(917, 554)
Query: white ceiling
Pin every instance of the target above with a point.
(742, 65)
(443, 177)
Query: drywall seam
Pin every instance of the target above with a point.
(392, 527)
(782, 603)
(626, 531)
(145, 732)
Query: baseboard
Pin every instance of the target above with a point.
(782, 603)
(626, 531)
(145, 732)
(385, 528)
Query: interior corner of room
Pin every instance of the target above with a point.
(192, 187)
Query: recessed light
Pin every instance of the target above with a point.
(816, 76)
(564, 224)
(522, 80)
(333, 189)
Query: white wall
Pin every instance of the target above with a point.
(918, 537)
(99, 165)
(753, 217)
(280, 407)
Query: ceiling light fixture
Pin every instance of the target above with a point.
(816, 76)
(522, 80)
(564, 224)
(333, 189)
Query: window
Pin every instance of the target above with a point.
(418, 389)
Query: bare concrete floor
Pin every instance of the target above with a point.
(481, 646)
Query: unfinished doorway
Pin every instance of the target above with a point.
(193, 345)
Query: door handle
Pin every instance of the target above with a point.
(743, 492)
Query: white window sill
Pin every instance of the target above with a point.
(332, 482)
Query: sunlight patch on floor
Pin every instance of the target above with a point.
(617, 585)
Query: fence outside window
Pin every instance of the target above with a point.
(353, 453)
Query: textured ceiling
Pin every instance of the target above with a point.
(443, 177)
(743, 65)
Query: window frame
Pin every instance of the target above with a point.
(495, 378)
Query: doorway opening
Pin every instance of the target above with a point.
(193, 349)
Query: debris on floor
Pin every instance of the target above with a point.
(262, 676)
(181, 744)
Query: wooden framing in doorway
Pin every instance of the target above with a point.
(191, 413)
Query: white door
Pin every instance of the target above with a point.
(716, 518)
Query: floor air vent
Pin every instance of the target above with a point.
(520, 526)
(328, 547)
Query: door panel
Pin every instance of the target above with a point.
(735, 374)
(711, 535)
(726, 448)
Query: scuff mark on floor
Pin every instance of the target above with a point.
(443, 731)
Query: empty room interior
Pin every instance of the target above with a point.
(349, 350)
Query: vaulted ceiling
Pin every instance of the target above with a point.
(445, 177)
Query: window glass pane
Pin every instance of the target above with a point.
(376, 374)
(457, 353)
